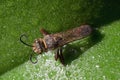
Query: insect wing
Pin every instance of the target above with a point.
(63, 38)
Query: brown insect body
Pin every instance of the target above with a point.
(71, 35)
(55, 41)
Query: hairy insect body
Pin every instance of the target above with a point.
(72, 34)
(57, 40)
(50, 42)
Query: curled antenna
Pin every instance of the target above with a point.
(32, 58)
(23, 35)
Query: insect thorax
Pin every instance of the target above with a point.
(50, 41)
(39, 46)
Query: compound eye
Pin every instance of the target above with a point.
(36, 47)
(36, 50)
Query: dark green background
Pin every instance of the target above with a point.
(96, 57)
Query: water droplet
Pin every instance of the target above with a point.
(99, 56)
(81, 78)
(103, 77)
(93, 57)
(12, 61)
(109, 52)
(4, 26)
(97, 66)
(118, 34)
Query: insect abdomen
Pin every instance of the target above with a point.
(82, 31)
(73, 34)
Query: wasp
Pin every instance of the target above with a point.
(57, 40)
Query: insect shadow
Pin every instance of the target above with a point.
(74, 51)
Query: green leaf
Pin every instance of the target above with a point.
(96, 57)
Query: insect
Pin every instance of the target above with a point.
(57, 40)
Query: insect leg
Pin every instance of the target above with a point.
(43, 31)
(31, 58)
(61, 56)
(56, 55)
